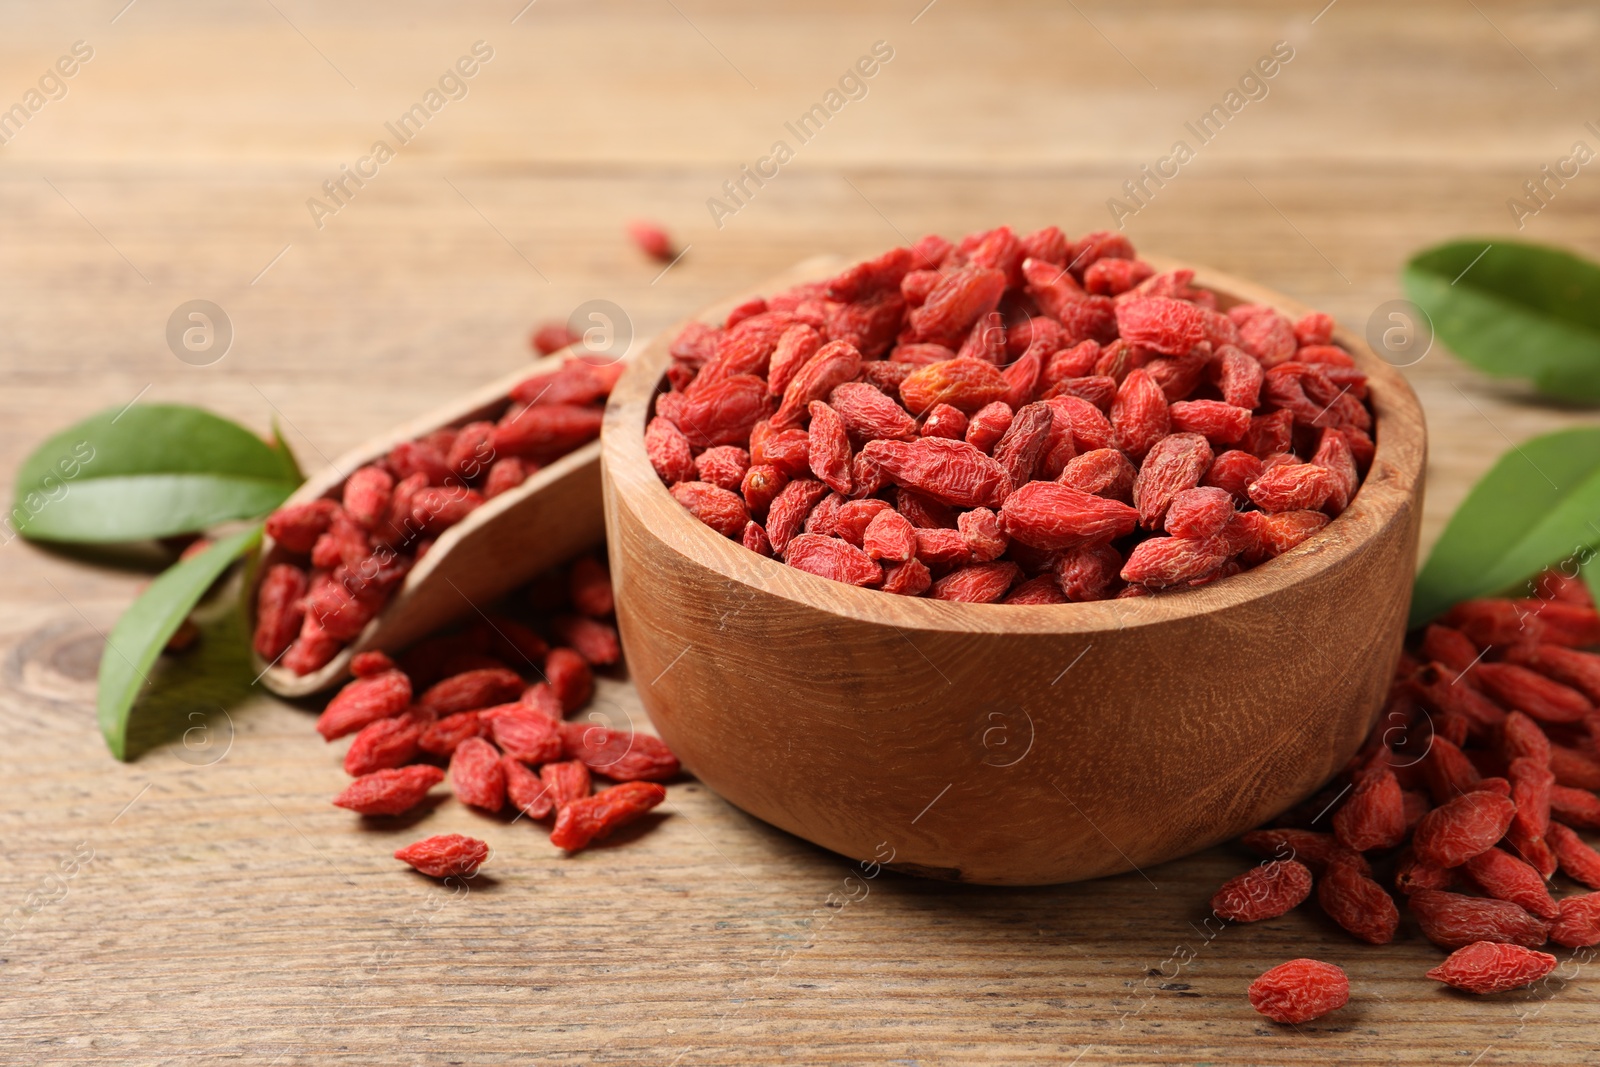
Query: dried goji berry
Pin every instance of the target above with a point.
(523, 733)
(583, 821)
(1020, 449)
(618, 754)
(595, 641)
(722, 466)
(1504, 877)
(570, 678)
(1175, 463)
(1374, 815)
(1491, 967)
(1103, 472)
(445, 855)
(869, 415)
(982, 530)
(828, 450)
(442, 737)
(1263, 892)
(544, 431)
(790, 509)
(833, 364)
(1218, 422)
(1161, 324)
(364, 701)
(832, 557)
(476, 774)
(942, 420)
(366, 495)
(1044, 589)
(297, 526)
(1313, 849)
(1357, 903)
(390, 792)
(962, 383)
(1411, 874)
(1199, 513)
(1163, 562)
(589, 586)
(1299, 991)
(1578, 925)
(955, 303)
(851, 519)
(1464, 827)
(718, 508)
(382, 745)
(890, 538)
(525, 790)
(1533, 693)
(910, 578)
(471, 690)
(1052, 516)
(949, 471)
(988, 425)
(1139, 415)
(279, 610)
(1451, 920)
(1578, 861)
(977, 583)
(565, 781)
(1575, 807)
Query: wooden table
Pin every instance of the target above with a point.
(229, 914)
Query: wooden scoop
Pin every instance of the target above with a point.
(544, 521)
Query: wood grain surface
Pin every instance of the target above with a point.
(229, 914)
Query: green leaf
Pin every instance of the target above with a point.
(147, 625)
(290, 463)
(1539, 504)
(1514, 310)
(151, 470)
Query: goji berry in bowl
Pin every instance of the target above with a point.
(1026, 742)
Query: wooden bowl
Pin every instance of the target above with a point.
(1009, 744)
(546, 520)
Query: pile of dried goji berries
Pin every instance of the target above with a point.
(361, 540)
(1468, 796)
(1029, 419)
(489, 703)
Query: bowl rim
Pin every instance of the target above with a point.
(1391, 486)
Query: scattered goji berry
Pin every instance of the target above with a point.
(470, 690)
(1374, 815)
(1451, 920)
(565, 781)
(1578, 924)
(1492, 967)
(581, 822)
(390, 792)
(1578, 861)
(1263, 892)
(1464, 827)
(1299, 991)
(382, 745)
(1357, 903)
(476, 774)
(445, 855)
(525, 790)
(365, 701)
